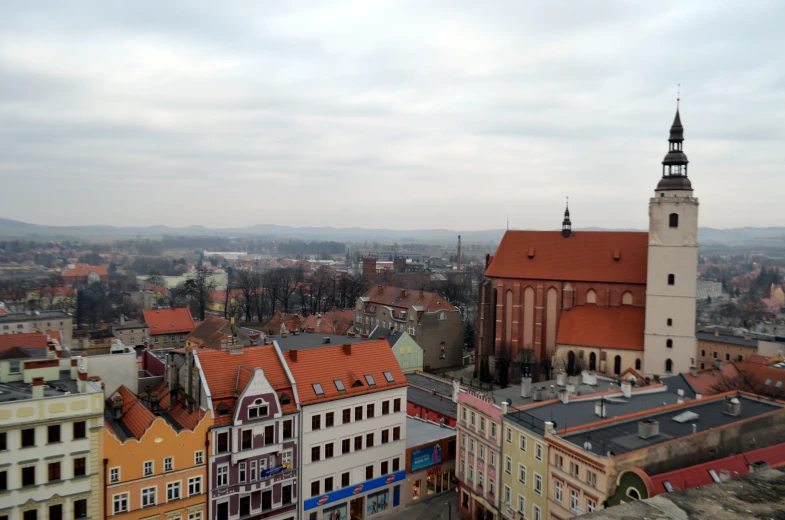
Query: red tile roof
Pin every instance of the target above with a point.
(84, 270)
(27, 340)
(334, 321)
(178, 411)
(292, 322)
(326, 364)
(219, 296)
(757, 358)
(136, 417)
(169, 321)
(594, 326)
(705, 381)
(404, 298)
(210, 332)
(587, 256)
(226, 382)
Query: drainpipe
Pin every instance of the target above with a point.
(106, 463)
(208, 486)
(300, 486)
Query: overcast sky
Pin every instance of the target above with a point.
(394, 114)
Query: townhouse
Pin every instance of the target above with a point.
(168, 327)
(50, 432)
(154, 456)
(254, 454)
(353, 401)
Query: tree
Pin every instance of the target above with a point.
(199, 288)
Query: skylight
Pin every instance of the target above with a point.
(768, 382)
(668, 486)
(389, 377)
(778, 385)
(369, 380)
(317, 388)
(714, 476)
(339, 385)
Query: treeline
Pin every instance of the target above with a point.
(301, 247)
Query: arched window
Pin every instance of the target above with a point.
(591, 296)
(637, 364)
(626, 298)
(593, 361)
(671, 279)
(673, 220)
(571, 363)
(669, 343)
(668, 366)
(617, 365)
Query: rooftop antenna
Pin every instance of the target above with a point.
(678, 95)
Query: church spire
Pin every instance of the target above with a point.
(566, 224)
(674, 165)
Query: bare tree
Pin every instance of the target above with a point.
(199, 288)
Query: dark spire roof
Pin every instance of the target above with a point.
(566, 224)
(677, 131)
(675, 160)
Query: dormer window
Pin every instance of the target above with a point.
(258, 409)
(223, 410)
(285, 399)
(357, 383)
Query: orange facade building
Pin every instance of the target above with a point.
(155, 457)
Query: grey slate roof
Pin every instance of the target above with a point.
(731, 340)
(622, 437)
(429, 383)
(307, 340)
(419, 432)
(438, 403)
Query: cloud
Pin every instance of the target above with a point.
(386, 114)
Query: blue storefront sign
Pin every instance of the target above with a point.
(272, 471)
(349, 492)
(425, 457)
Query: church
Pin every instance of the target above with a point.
(607, 301)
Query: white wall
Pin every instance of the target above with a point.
(115, 370)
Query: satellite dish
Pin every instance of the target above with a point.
(587, 446)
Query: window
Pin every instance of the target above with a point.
(670, 322)
(385, 436)
(316, 422)
(199, 457)
(223, 475)
(259, 409)
(637, 364)
(114, 475)
(538, 451)
(573, 500)
(339, 385)
(537, 484)
(169, 464)
(389, 377)
(54, 471)
(369, 411)
(668, 366)
(522, 473)
(482, 424)
(346, 446)
(396, 464)
(474, 419)
(522, 442)
(28, 438)
(316, 453)
(194, 486)
(347, 416)
(345, 480)
(79, 430)
(245, 506)
(358, 413)
(329, 419)
(491, 487)
(482, 452)
(80, 508)
(223, 442)
(328, 484)
(80, 467)
(714, 354)
(397, 405)
(463, 413)
(507, 494)
(591, 505)
(385, 407)
(56, 512)
(147, 468)
(493, 430)
(328, 450)
(358, 443)
(669, 343)
(369, 380)
(671, 279)
(521, 505)
(673, 220)
(172, 491)
(269, 435)
(287, 429)
(148, 497)
(3, 441)
(508, 465)
(397, 433)
(223, 410)
(252, 471)
(385, 467)
(536, 512)
(369, 472)
(558, 461)
(241, 472)
(591, 478)
(31, 514)
(120, 503)
(317, 389)
(557, 491)
(471, 446)
(14, 366)
(369, 440)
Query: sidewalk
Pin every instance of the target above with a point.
(430, 508)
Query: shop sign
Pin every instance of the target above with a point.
(434, 471)
(425, 457)
(349, 492)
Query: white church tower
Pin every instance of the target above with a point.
(669, 338)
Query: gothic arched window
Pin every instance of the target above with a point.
(668, 366)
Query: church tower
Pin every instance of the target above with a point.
(669, 337)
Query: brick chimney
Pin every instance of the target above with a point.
(293, 355)
(347, 349)
(38, 388)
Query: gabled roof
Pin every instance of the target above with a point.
(169, 321)
(210, 333)
(404, 298)
(227, 374)
(178, 411)
(586, 256)
(606, 327)
(136, 417)
(334, 321)
(349, 363)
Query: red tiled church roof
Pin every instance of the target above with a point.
(349, 363)
(594, 326)
(587, 256)
(169, 321)
(404, 298)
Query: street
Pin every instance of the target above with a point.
(430, 508)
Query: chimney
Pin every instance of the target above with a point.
(571, 389)
(293, 355)
(693, 372)
(718, 364)
(648, 428)
(526, 387)
(731, 406)
(325, 339)
(403, 293)
(680, 392)
(759, 465)
(561, 378)
(538, 394)
(458, 256)
(347, 349)
(694, 428)
(38, 388)
(117, 406)
(505, 407)
(552, 393)
(564, 396)
(172, 377)
(155, 399)
(698, 396)
(599, 408)
(379, 290)
(626, 389)
(456, 389)
(122, 319)
(195, 393)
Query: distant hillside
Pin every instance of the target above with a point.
(746, 236)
